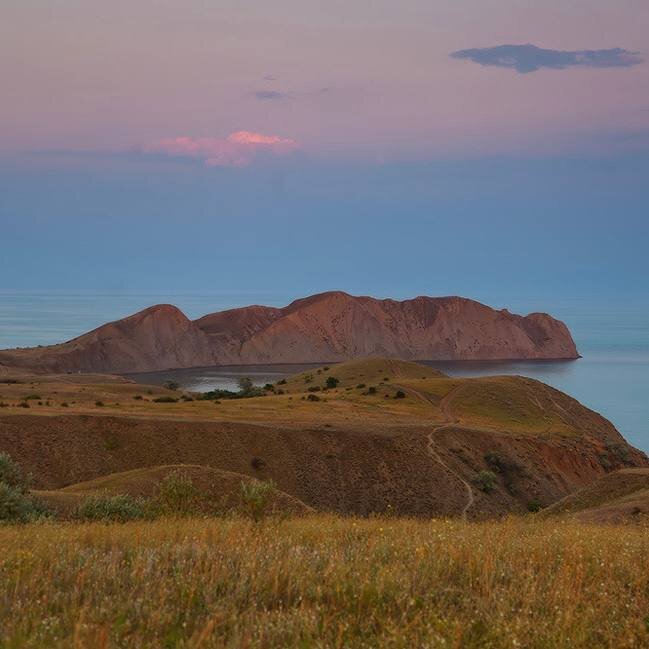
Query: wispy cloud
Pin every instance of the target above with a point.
(269, 95)
(530, 58)
(237, 150)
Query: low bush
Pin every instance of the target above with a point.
(165, 399)
(400, 394)
(485, 481)
(332, 382)
(12, 474)
(16, 506)
(176, 494)
(171, 385)
(111, 509)
(313, 397)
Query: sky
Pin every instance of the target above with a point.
(393, 149)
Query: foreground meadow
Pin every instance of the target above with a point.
(324, 581)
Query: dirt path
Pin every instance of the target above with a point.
(445, 408)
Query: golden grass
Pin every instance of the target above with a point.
(507, 404)
(324, 581)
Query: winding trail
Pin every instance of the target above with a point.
(445, 408)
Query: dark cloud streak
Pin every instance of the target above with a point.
(270, 95)
(530, 58)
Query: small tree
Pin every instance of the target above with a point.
(245, 385)
(331, 382)
(256, 496)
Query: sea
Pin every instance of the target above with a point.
(612, 335)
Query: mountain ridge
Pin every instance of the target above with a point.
(325, 327)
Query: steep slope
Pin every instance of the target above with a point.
(327, 327)
(618, 497)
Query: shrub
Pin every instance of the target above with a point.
(494, 461)
(332, 382)
(256, 496)
(485, 481)
(313, 397)
(245, 385)
(99, 404)
(534, 506)
(111, 509)
(217, 394)
(64, 404)
(313, 388)
(138, 397)
(23, 404)
(165, 399)
(33, 397)
(16, 506)
(12, 475)
(371, 390)
(360, 386)
(604, 461)
(171, 385)
(3, 405)
(176, 494)
(400, 394)
(281, 382)
(257, 463)
(269, 387)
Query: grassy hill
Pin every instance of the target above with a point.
(361, 437)
(216, 491)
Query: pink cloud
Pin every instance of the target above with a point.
(237, 150)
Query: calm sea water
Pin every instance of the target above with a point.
(612, 335)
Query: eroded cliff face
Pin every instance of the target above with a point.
(326, 327)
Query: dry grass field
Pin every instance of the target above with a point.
(324, 581)
(365, 394)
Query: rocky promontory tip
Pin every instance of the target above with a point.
(326, 327)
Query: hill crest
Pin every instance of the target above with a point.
(326, 327)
